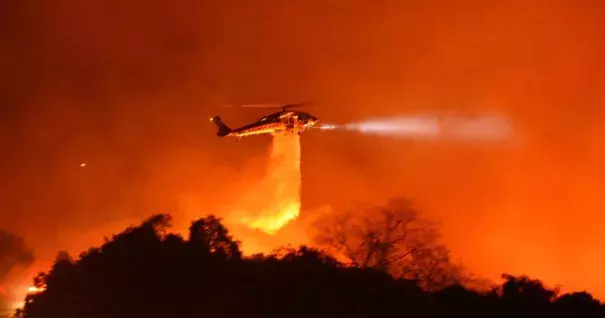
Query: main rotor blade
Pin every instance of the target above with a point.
(275, 105)
(262, 105)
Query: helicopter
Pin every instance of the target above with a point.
(286, 122)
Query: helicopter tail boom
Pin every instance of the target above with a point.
(223, 130)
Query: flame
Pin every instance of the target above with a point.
(35, 290)
(275, 200)
(271, 223)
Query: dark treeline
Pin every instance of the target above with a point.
(147, 272)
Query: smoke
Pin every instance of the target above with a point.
(13, 253)
(14, 256)
(433, 127)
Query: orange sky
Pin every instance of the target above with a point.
(128, 86)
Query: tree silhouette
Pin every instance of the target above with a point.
(145, 271)
(391, 238)
(212, 237)
(580, 304)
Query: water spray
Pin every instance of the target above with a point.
(484, 127)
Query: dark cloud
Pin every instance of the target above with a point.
(13, 254)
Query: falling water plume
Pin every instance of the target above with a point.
(275, 200)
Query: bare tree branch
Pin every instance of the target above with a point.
(394, 239)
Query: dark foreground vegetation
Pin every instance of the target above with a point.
(146, 272)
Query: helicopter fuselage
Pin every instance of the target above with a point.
(286, 122)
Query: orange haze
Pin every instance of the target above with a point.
(127, 86)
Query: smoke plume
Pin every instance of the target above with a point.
(14, 256)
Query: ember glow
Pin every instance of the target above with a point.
(277, 195)
(35, 290)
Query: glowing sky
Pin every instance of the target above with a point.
(127, 87)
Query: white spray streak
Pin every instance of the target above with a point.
(477, 128)
(403, 127)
